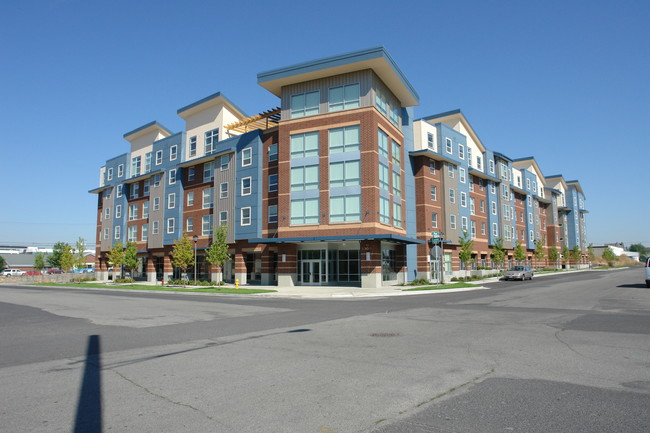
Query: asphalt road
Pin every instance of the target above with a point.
(567, 353)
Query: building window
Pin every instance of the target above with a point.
(449, 145)
(208, 198)
(120, 169)
(223, 190)
(118, 232)
(190, 174)
(344, 139)
(211, 139)
(345, 208)
(462, 175)
(463, 199)
(109, 174)
(495, 230)
(491, 166)
(118, 211)
(145, 210)
(469, 156)
(208, 172)
(189, 225)
(346, 173)
(246, 157)
(434, 193)
(397, 154)
(430, 141)
(344, 97)
(479, 162)
(482, 228)
(145, 232)
(432, 166)
(397, 184)
(304, 178)
(273, 152)
(156, 180)
(305, 104)
(461, 151)
(159, 155)
(504, 171)
(472, 206)
(173, 152)
(135, 166)
(434, 220)
(154, 228)
(145, 189)
(273, 214)
(192, 146)
(452, 195)
(171, 200)
(246, 216)
(473, 229)
(132, 234)
(304, 211)
(171, 225)
(384, 210)
(172, 176)
(135, 190)
(394, 116)
(223, 217)
(224, 162)
(463, 224)
(397, 214)
(133, 212)
(246, 186)
(118, 193)
(304, 145)
(206, 225)
(452, 222)
(383, 144)
(383, 177)
(273, 183)
(471, 182)
(156, 203)
(380, 102)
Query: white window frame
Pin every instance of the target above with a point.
(190, 199)
(273, 214)
(120, 170)
(171, 225)
(172, 176)
(247, 157)
(463, 199)
(461, 151)
(173, 153)
(249, 219)
(246, 190)
(192, 146)
(156, 203)
(159, 157)
(462, 175)
(118, 211)
(209, 193)
(118, 232)
(223, 192)
(273, 182)
(452, 222)
(171, 200)
(155, 227)
(449, 145)
(452, 195)
(222, 220)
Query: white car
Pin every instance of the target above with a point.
(12, 273)
(647, 272)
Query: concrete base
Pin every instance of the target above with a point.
(287, 280)
(371, 280)
(267, 280)
(151, 277)
(241, 278)
(101, 275)
(216, 276)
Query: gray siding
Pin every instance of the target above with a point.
(106, 244)
(156, 241)
(226, 204)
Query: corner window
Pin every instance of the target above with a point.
(345, 208)
(381, 103)
(211, 139)
(344, 139)
(304, 145)
(305, 104)
(344, 97)
(383, 144)
(246, 157)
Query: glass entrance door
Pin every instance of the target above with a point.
(311, 272)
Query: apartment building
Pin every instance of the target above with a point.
(338, 185)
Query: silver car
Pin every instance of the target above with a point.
(518, 273)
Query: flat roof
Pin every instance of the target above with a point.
(151, 126)
(376, 59)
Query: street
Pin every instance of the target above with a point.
(563, 353)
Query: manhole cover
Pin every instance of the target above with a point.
(384, 334)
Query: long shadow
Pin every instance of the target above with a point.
(635, 286)
(89, 406)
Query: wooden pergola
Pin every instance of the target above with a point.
(265, 120)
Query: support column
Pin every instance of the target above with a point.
(370, 269)
(400, 263)
(267, 268)
(287, 265)
(151, 269)
(168, 269)
(240, 266)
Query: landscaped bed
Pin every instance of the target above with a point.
(442, 287)
(202, 289)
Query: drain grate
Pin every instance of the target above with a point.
(384, 334)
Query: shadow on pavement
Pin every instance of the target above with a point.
(89, 406)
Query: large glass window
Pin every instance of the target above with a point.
(383, 144)
(208, 172)
(384, 210)
(206, 225)
(380, 102)
(208, 198)
(304, 178)
(345, 208)
(305, 104)
(397, 215)
(132, 234)
(273, 214)
(397, 154)
(344, 139)
(304, 211)
(397, 183)
(344, 97)
(273, 182)
(192, 146)
(346, 173)
(135, 166)
(304, 145)
(211, 139)
(383, 177)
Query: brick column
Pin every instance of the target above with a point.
(240, 266)
(371, 269)
(151, 269)
(287, 264)
(168, 269)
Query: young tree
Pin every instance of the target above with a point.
(465, 253)
(131, 257)
(498, 253)
(590, 253)
(554, 255)
(609, 256)
(217, 254)
(67, 259)
(80, 259)
(116, 257)
(183, 253)
(54, 259)
(576, 254)
(519, 253)
(3, 264)
(39, 261)
(566, 255)
(539, 250)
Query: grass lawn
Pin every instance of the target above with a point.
(202, 289)
(460, 285)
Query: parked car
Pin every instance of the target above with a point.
(84, 270)
(13, 273)
(647, 272)
(518, 273)
(54, 271)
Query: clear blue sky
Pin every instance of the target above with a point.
(566, 82)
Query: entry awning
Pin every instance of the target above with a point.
(380, 237)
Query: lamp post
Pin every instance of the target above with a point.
(195, 238)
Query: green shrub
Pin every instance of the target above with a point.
(82, 279)
(124, 280)
(420, 282)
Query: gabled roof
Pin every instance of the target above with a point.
(450, 118)
(555, 179)
(209, 101)
(153, 126)
(527, 162)
(376, 59)
(502, 156)
(575, 184)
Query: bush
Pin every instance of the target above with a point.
(124, 280)
(82, 279)
(420, 282)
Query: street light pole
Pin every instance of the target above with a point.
(195, 238)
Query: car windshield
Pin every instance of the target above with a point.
(517, 268)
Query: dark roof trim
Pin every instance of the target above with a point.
(382, 237)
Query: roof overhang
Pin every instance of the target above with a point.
(479, 173)
(207, 102)
(376, 59)
(429, 154)
(525, 162)
(379, 237)
(143, 176)
(100, 189)
(555, 179)
(575, 184)
(146, 129)
(454, 116)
